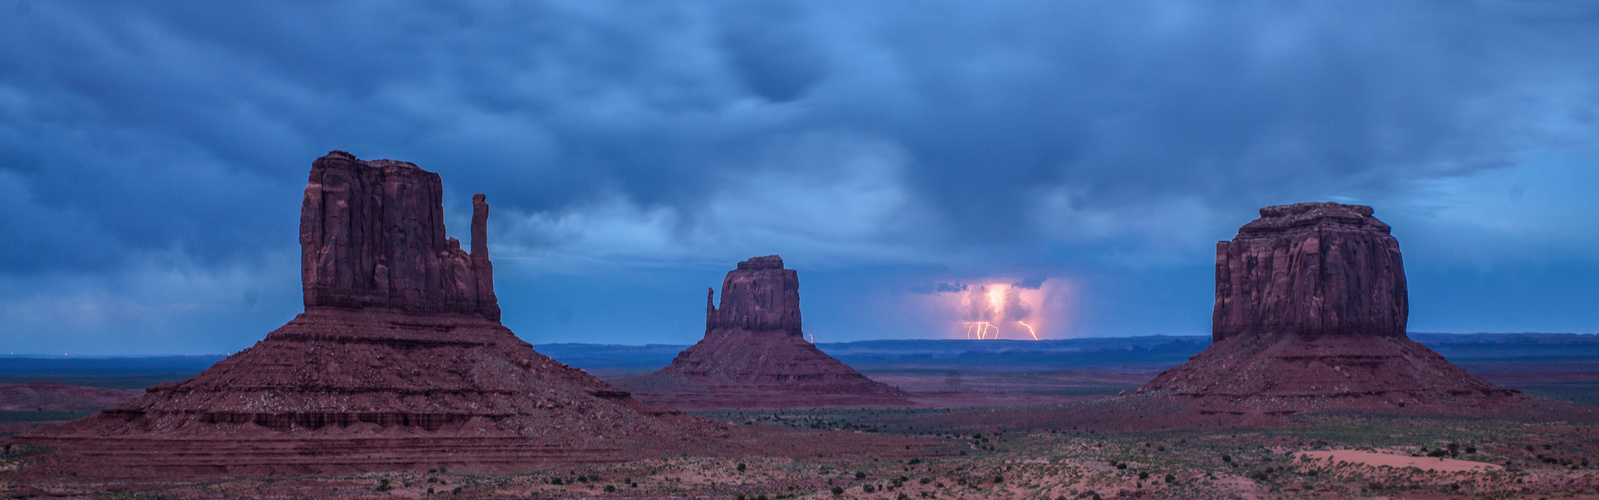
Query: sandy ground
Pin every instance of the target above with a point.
(1375, 459)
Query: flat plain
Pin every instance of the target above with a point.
(965, 444)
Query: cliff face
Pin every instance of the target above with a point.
(1310, 269)
(372, 235)
(758, 296)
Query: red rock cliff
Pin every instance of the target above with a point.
(758, 296)
(372, 235)
(1310, 269)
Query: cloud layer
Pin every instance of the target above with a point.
(634, 149)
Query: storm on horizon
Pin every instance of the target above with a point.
(925, 167)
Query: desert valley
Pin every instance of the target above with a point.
(398, 380)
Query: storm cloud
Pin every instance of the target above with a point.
(152, 156)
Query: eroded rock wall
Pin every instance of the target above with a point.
(760, 295)
(372, 235)
(1310, 269)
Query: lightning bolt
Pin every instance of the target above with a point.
(1029, 330)
(980, 330)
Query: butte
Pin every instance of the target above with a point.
(398, 362)
(1310, 315)
(754, 354)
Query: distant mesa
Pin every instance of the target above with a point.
(754, 354)
(1310, 314)
(398, 362)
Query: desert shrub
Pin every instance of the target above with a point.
(555, 481)
(1170, 479)
(1226, 458)
(1121, 466)
(925, 480)
(999, 479)
(860, 475)
(760, 496)
(456, 491)
(868, 488)
(383, 485)
(741, 467)
(914, 461)
(582, 479)
(610, 488)
(838, 491)
(1471, 450)
(1142, 475)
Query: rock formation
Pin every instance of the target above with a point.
(399, 361)
(1310, 314)
(372, 235)
(754, 354)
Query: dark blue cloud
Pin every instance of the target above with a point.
(919, 143)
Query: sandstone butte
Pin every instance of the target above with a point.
(398, 362)
(1310, 314)
(754, 354)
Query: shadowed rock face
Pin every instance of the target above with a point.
(758, 296)
(372, 235)
(1310, 315)
(398, 362)
(754, 354)
(1310, 269)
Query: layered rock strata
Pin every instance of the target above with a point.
(399, 361)
(754, 354)
(1310, 314)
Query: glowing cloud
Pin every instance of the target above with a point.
(997, 309)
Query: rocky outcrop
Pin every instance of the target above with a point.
(372, 235)
(758, 296)
(1311, 269)
(1310, 314)
(398, 362)
(754, 354)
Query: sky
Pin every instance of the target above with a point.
(925, 165)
